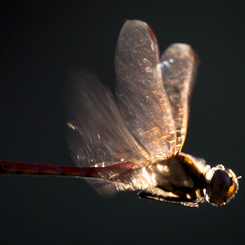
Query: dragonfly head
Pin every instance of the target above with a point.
(222, 185)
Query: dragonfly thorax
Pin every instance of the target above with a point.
(179, 180)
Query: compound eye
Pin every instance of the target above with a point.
(233, 187)
(221, 188)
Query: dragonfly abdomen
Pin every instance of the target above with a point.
(7, 167)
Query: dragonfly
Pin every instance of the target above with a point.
(134, 142)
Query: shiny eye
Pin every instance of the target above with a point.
(221, 188)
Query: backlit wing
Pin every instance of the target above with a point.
(142, 98)
(97, 135)
(179, 66)
(96, 132)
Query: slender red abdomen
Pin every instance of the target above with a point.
(7, 167)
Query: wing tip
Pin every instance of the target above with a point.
(193, 55)
(187, 50)
(140, 23)
(152, 34)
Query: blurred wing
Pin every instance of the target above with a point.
(142, 99)
(179, 66)
(97, 135)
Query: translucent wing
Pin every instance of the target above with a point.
(142, 99)
(179, 66)
(97, 135)
(96, 132)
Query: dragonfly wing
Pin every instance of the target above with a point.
(97, 135)
(96, 131)
(179, 66)
(142, 98)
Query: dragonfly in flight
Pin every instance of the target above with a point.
(134, 143)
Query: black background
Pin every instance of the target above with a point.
(40, 42)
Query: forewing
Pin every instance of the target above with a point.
(97, 135)
(142, 99)
(179, 66)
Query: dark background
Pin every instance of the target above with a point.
(40, 42)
